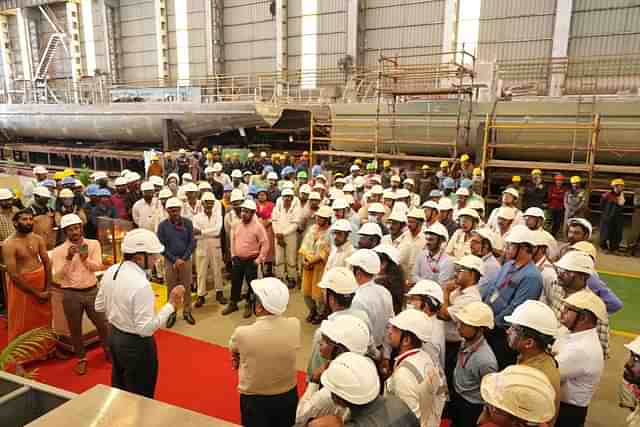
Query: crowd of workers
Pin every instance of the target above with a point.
(427, 307)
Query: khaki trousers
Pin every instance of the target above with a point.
(287, 257)
(183, 276)
(209, 265)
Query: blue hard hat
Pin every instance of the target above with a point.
(103, 192)
(316, 170)
(261, 190)
(435, 193)
(49, 183)
(449, 183)
(287, 170)
(68, 180)
(268, 168)
(466, 183)
(253, 190)
(92, 190)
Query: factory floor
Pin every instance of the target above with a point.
(604, 411)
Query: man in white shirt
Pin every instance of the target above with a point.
(192, 206)
(534, 220)
(342, 247)
(146, 211)
(546, 268)
(579, 356)
(206, 229)
(416, 378)
(427, 296)
(482, 244)
(433, 263)
(284, 219)
(237, 182)
(126, 298)
(459, 244)
(509, 199)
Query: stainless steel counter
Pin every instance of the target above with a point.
(106, 406)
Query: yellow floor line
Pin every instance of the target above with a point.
(612, 273)
(624, 334)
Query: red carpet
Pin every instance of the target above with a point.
(194, 374)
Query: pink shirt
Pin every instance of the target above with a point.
(250, 240)
(76, 274)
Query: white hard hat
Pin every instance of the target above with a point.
(414, 321)
(353, 378)
(395, 178)
(388, 195)
(147, 186)
(521, 234)
(587, 300)
(315, 196)
(431, 204)
(236, 195)
(354, 168)
(120, 181)
(370, 229)
(287, 192)
(322, 177)
(42, 192)
(350, 331)
(65, 193)
(488, 234)
(535, 315)
(249, 204)
(634, 346)
(428, 288)
(583, 222)
(174, 176)
(340, 181)
(417, 214)
(366, 259)
(103, 175)
(586, 247)
(542, 238)
(471, 262)
(272, 175)
(165, 193)
(341, 225)
(130, 177)
(469, 212)
(392, 252)
(534, 212)
(208, 197)
(402, 193)
(208, 170)
(439, 230)
(475, 203)
(522, 391)
(305, 188)
(409, 181)
(324, 212)
(398, 215)
(319, 186)
(182, 151)
(141, 240)
(273, 294)
(236, 173)
(507, 212)
(576, 261)
(463, 192)
(123, 173)
(445, 204)
(339, 204)
(217, 167)
(68, 220)
(5, 194)
(512, 191)
(476, 314)
(204, 185)
(156, 180)
(173, 202)
(375, 208)
(191, 188)
(340, 280)
(40, 170)
(377, 190)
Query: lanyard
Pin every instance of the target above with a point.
(406, 355)
(434, 266)
(464, 356)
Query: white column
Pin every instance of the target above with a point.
(7, 59)
(353, 30)
(25, 46)
(162, 39)
(89, 40)
(450, 28)
(560, 49)
(182, 41)
(73, 31)
(282, 56)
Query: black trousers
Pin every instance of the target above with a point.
(450, 360)
(134, 362)
(462, 412)
(269, 411)
(557, 215)
(497, 340)
(242, 269)
(571, 415)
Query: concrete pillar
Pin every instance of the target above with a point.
(25, 46)
(560, 49)
(355, 31)
(73, 32)
(182, 41)
(450, 30)
(162, 39)
(214, 37)
(7, 57)
(89, 40)
(282, 56)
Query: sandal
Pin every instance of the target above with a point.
(81, 367)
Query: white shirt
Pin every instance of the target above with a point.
(338, 255)
(437, 339)
(285, 221)
(492, 223)
(458, 299)
(209, 227)
(128, 300)
(491, 269)
(406, 246)
(316, 402)
(581, 363)
(376, 301)
(418, 382)
(190, 212)
(549, 277)
(458, 246)
(146, 214)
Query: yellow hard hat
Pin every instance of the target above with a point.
(69, 172)
(426, 167)
(464, 158)
(477, 172)
(516, 178)
(358, 162)
(617, 181)
(575, 179)
(17, 193)
(58, 176)
(205, 150)
(386, 164)
(444, 164)
(536, 172)
(209, 156)
(283, 157)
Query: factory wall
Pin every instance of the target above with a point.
(139, 55)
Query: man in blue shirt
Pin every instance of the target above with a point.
(176, 234)
(518, 281)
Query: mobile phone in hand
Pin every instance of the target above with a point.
(84, 249)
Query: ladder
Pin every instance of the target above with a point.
(47, 56)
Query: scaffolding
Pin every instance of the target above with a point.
(387, 137)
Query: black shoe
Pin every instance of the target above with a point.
(171, 320)
(199, 302)
(220, 297)
(248, 311)
(189, 318)
(291, 284)
(230, 308)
